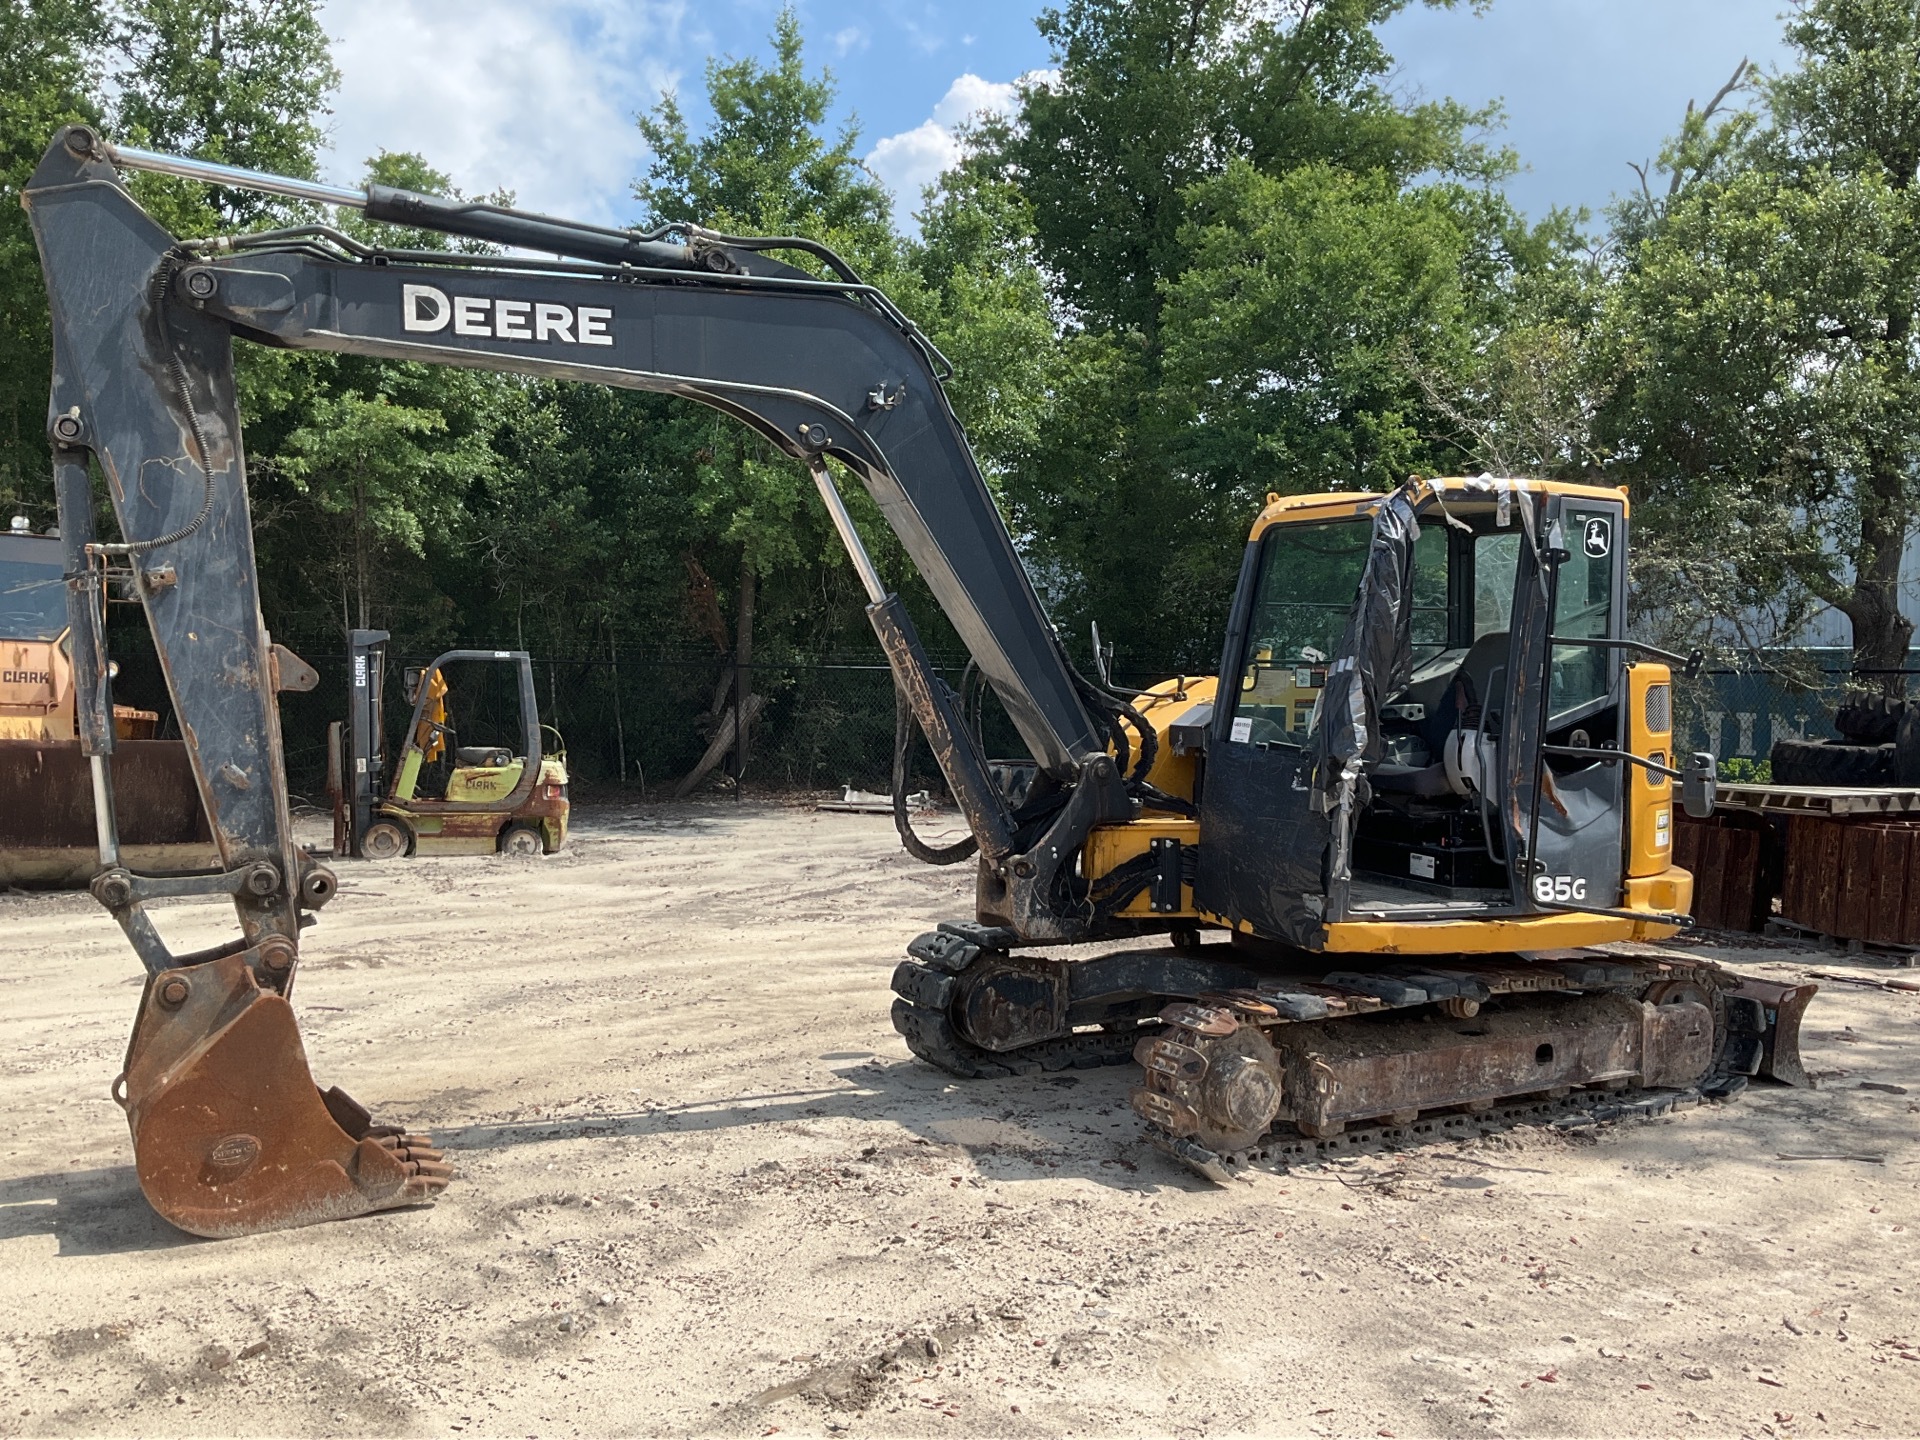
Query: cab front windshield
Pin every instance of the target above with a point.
(1309, 578)
(1309, 575)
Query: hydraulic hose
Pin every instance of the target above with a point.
(1135, 761)
(903, 727)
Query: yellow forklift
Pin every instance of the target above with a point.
(441, 797)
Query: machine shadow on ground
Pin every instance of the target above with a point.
(1043, 1122)
(1072, 1125)
(88, 1212)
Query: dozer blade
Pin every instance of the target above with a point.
(230, 1135)
(1782, 1007)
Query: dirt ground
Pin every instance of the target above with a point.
(703, 1189)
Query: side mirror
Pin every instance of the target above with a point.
(1699, 784)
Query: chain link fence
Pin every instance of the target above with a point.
(641, 717)
(643, 720)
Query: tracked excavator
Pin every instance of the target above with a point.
(1355, 884)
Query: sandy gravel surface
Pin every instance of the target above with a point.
(703, 1189)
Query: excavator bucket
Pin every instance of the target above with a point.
(230, 1134)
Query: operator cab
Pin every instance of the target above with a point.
(1479, 583)
(439, 763)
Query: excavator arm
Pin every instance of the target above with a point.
(230, 1134)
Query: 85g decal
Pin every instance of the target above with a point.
(1560, 889)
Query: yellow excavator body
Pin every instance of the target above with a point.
(1655, 891)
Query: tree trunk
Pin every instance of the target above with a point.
(1881, 633)
(717, 748)
(744, 708)
(619, 720)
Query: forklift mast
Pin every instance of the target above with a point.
(363, 755)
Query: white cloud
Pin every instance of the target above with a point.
(913, 159)
(539, 100)
(924, 38)
(850, 39)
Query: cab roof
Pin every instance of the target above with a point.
(1339, 505)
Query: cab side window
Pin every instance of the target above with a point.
(1583, 609)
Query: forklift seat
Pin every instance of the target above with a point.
(495, 757)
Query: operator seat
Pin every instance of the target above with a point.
(1462, 707)
(1483, 657)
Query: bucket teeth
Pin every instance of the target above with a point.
(230, 1135)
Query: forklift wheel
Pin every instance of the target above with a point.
(384, 840)
(522, 840)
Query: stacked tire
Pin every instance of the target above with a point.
(1879, 747)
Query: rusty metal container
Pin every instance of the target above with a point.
(47, 838)
(1853, 879)
(1734, 874)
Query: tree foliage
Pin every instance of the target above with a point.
(1762, 330)
(49, 77)
(1153, 96)
(1215, 252)
(244, 82)
(1224, 199)
(765, 166)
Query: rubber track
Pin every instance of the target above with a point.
(931, 1036)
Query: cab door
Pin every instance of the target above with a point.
(1263, 847)
(1565, 809)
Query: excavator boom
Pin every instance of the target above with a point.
(229, 1130)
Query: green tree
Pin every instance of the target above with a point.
(363, 468)
(1767, 401)
(1153, 168)
(48, 78)
(764, 166)
(1523, 400)
(1294, 334)
(1154, 95)
(764, 162)
(984, 301)
(244, 82)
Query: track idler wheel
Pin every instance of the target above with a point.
(230, 1135)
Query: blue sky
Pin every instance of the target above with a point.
(539, 98)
